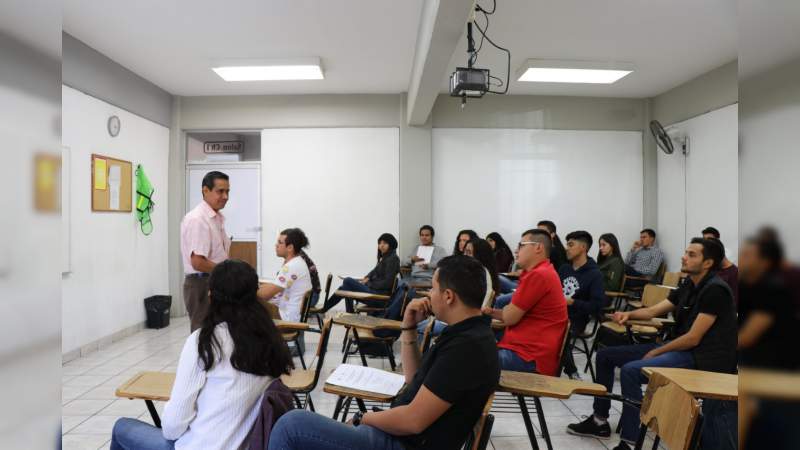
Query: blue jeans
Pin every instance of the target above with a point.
(511, 361)
(301, 429)
(132, 434)
(348, 284)
(629, 359)
(438, 326)
(502, 301)
(720, 425)
(506, 285)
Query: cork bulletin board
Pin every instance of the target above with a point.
(112, 184)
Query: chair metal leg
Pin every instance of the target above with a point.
(361, 406)
(346, 351)
(588, 353)
(300, 352)
(346, 338)
(360, 349)
(309, 402)
(390, 352)
(346, 409)
(542, 422)
(656, 441)
(528, 425)
(640, 439)
(337, 408)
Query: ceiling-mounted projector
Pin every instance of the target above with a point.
(469, 82)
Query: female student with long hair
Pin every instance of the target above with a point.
(462, 238)
(610, 262)
(380, 279)
(223, 369)
(503, 255)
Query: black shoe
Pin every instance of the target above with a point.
(589, 428)
(622, 446)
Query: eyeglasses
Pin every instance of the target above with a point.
(519, 246)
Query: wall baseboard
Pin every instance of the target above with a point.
(101, 343)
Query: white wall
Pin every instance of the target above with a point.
(113, 265)
(340, 185)
(506, 180)
(701, 189)
(770, 154)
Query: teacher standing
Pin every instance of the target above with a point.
(204, 244)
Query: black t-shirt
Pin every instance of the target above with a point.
(773, 349)
(461, 369)
(716, 351)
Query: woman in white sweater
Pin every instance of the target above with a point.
(224, 368)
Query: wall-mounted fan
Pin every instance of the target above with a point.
(666, 139)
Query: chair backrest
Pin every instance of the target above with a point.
(564, 341)
(328, 282)
(654, 294)
(671, 413)
(427, 335)
(395, 282)
(671, 279)
(406, 299)
(272, 309)
(659, 275)
(322, 348)
(305, 305)
(479, 436)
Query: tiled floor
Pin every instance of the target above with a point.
(90, 408)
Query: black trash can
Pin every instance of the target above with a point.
(157, 308)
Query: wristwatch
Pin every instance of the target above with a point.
(356, 421)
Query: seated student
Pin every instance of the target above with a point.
(293, 279)
(482, 251)
(610, 263)
(504, 257)
(558, 256)
(463, 237)
(380, 279)
(703, 337)
(536, 318)
(583, 289)
(769, 318)
(436, 410)
(644, 258)
(223, 369)
(728, 271)
(421, 270)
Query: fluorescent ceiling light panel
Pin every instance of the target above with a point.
(556, 71)
(269, 70)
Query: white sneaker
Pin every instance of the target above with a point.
(575, 376)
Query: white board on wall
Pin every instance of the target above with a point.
(340, 185)
(701, 189)
(506, 180)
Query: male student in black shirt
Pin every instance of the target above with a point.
(703, 337)
(583, 288)
(446, 389)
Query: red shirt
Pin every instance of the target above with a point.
(538, 335)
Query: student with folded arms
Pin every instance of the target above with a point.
(610, 262)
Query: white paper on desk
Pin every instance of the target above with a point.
(425, 252)
(114, 181)
(366, 379)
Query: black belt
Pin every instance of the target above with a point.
(198, 275)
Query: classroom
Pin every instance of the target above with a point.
(554, 224)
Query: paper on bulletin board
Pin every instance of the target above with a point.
(100, 174)
(114, 182)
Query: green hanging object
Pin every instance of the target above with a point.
(144, 200)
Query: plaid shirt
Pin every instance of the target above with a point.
(645, 260)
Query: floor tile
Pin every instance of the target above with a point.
(96, 425)
(70, 422)
(81, 407)
(73, 441)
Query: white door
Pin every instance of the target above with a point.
(243, 210)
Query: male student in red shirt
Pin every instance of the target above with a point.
(536, 318)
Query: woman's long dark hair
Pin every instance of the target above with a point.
(472, 235)
(551, 227)
(389, 239)
(258, 346)
(499, 242)
(613, 242)
(482, 251)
